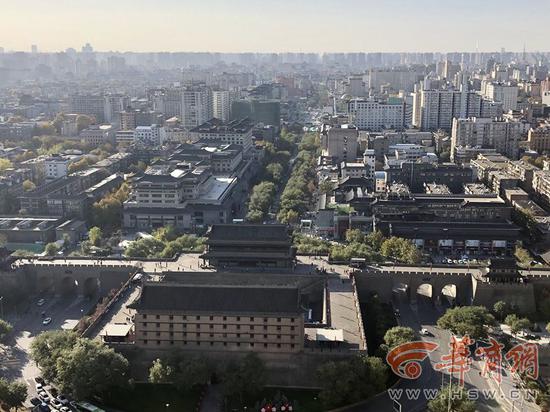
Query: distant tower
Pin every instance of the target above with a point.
(87, 48)
(34, 48)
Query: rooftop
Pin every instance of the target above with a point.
(172, 296)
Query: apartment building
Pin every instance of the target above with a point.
(149, 135)
(504, 136)
(506, 94)
(96, 135)
(90, 105)
(200, 317)
(221, 104)
(539, 138)
(376, 116)
(237, 132)
(196, 106)
(340, 143)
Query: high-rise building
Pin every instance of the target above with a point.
(114, 104)
(221, 104)
(539, 139)
(341, 143)
(501, 135)
(375, 116)
(507, 94)
(196, 106)
(90, 105)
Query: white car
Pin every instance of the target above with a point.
(47, 321)
(39, 387)
(40, 302)
(425, 332)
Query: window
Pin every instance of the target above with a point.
(158, 342)
(211, 335)
(238, 318)
(292, 320)
(251, 336)
(158, 333)
(225, 318)
(158, 325)
(251, 319)
(145, 342)
(278, 319)
(211, 343)
(265, 345)
(238, 327)
(198, 343)
(144, 323)
(144, 316)
(238, 335)
(265, 319)
(145, 333)
(211, 317)
(171, 342)
(171, 334)
(278, 345)
(184, 317)
(278, 328)
(198, 318)
(265, 327)
(211, 326)
(225, 344)
(225, 326)
(251, 327)
(171, 326)
(278, 336)
(292, 328)
(251, 344)
(265, 336)
(171, 317)
(198, 326)
(292, 345)
(157, 317)
(225, 335)
(238, 343)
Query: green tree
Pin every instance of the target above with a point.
(145, 247)
(95, 235)
(166, 233)
(107, 213)
(51, 249)
(47, 347)
(523, 256)
(28, 185)
(5, 164)
(349, 381)
(160, 373)
(501, 309)
(90, 368)
(245, 377)
(398, 335)
(83, 122)
(16, 395)
(516, 323)
(5, 329)
(274, 172)
(458, 400)
(326, 187)
(401, 250)
(354, 236)
(375, 239)
(467, 320)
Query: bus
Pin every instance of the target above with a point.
(88, 407)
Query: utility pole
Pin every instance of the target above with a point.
(1, 307)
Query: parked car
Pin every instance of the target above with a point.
(44, 397)
(35, 401)
(40, 302)
(39, 379)
(39, 387)
(425, 332)
(47, 321)
(44, 407)
(63, 399)
(55, 403)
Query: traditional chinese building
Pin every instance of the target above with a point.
(249, 246)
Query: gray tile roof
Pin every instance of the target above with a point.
(175, 297)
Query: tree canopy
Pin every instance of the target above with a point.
(80, 366)
(467, 320)
(459, 401)
(12, 394)
(398, 335)
(5, 329)
(350, 381)
(516, 323)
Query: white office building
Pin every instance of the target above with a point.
(376, 116)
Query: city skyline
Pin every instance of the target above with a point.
(282, 26)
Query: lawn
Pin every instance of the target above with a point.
(302, 400)
(146, 397)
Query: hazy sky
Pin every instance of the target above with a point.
(275, 25)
